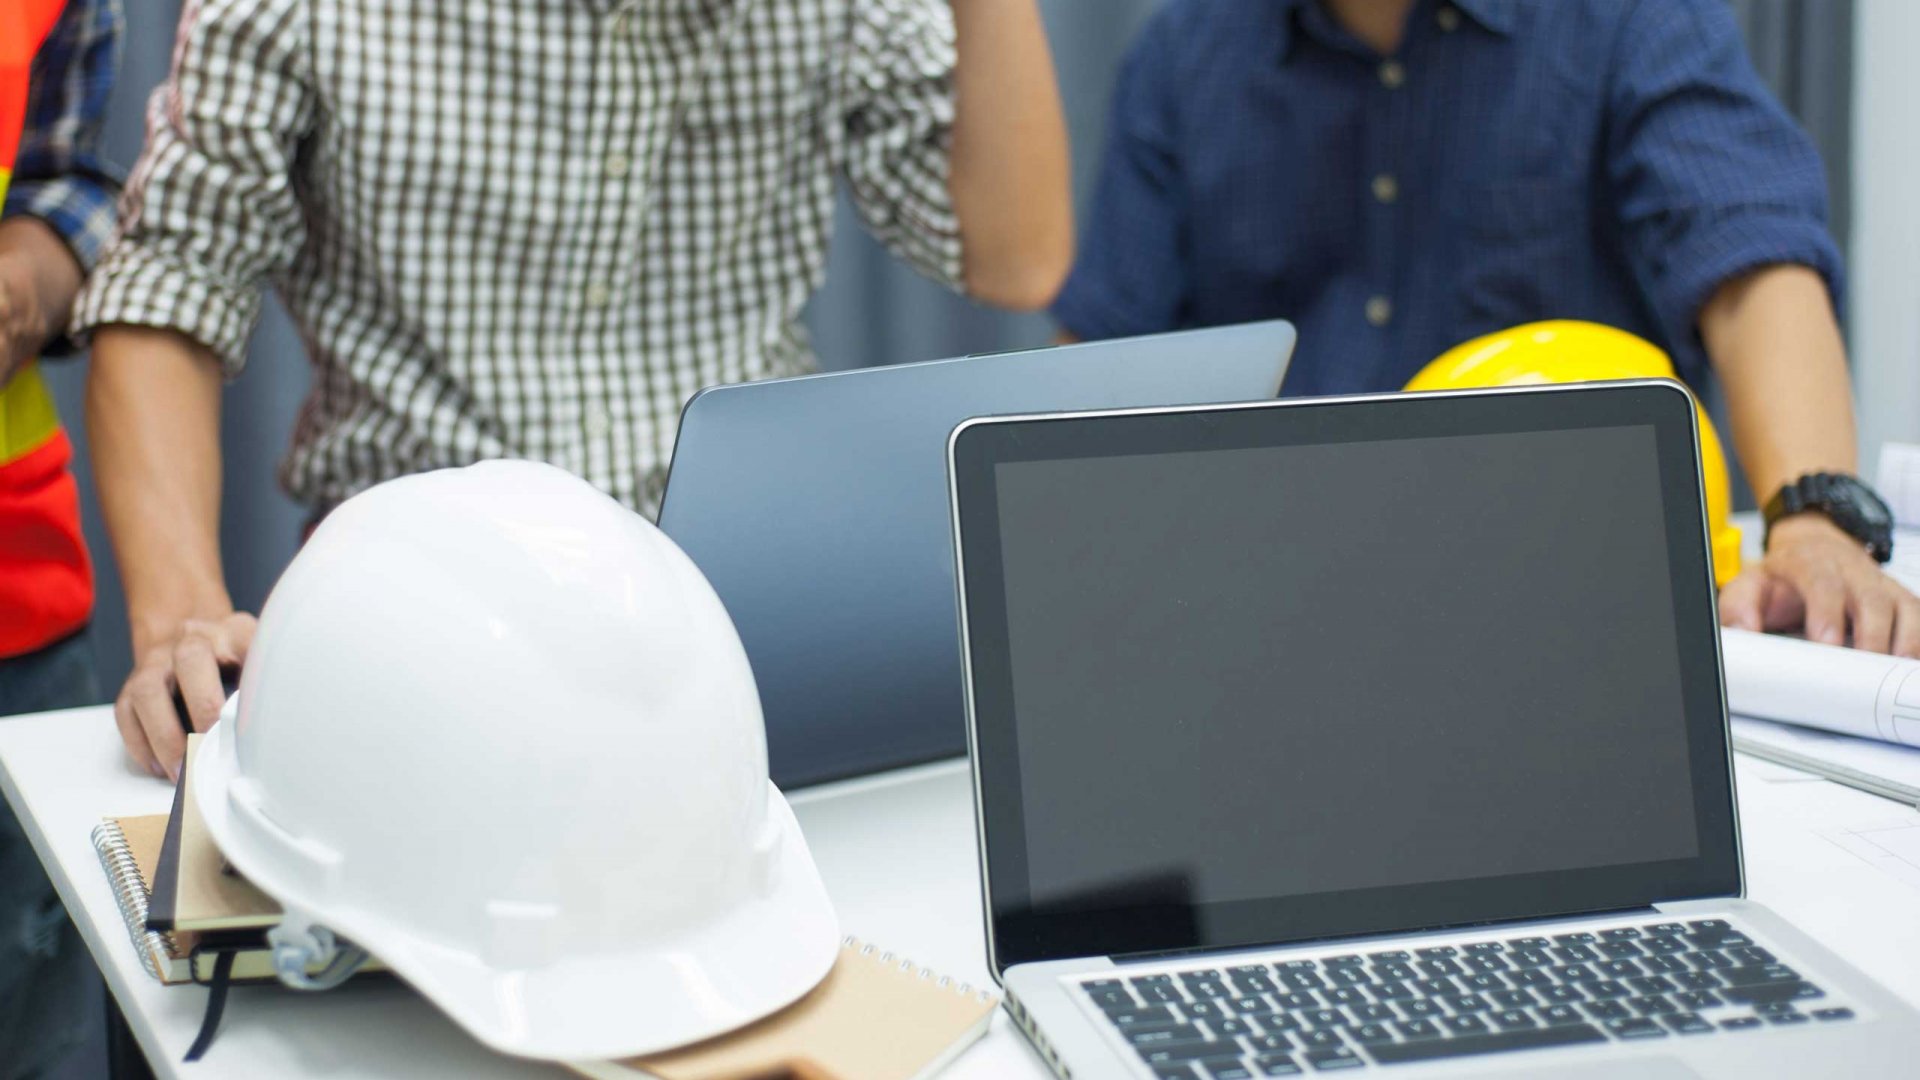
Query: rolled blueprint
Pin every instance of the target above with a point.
(1824, 686)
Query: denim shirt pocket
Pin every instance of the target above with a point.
(1518, 244)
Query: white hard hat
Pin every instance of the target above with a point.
(499, 731)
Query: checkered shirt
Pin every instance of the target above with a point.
(524, 228)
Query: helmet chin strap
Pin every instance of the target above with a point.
(299, 946)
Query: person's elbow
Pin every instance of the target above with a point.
(1026, 275)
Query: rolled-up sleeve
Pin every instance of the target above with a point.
(210, 212)
(62, 179)
(896, 117)
(1712, 177)
(1131, 273)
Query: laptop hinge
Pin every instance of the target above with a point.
(1385, 935)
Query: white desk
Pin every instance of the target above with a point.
(897, 853)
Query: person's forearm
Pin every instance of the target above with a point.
(153, 422)
(38, 280)
(1776, 348)
(1010, 177)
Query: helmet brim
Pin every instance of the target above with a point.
(708, 979)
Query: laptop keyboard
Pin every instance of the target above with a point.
(1655, 981)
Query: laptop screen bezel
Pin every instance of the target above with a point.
(1020, 932)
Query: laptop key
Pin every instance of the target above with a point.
(1203, 975)
(1687, 1023)
(1250, 1006)
(1697, 999)
(1608, 988)
(1765, 992)
(1321, 1038)
(1390, 991)
(1174, 1072)
(1480, 947)
(1187, 1050)
(1622, 949)
(1370, 1034)
(1575, 973)
(1349, 960)
(1574, 954)
(1226, 1069)
(1562, 995)
(1666, 928)
(1248, 985)
(1711, 960)
(1398, 970)
(1230, 1026)
(1156, 1034)
(1488, 964)
(1750, 954)
(1530, 958)
(1209, 990)
(1271, 1043)
(1280, 1022)
(1435, 987)
(1418, 1029)
(1741, 1023)
(1513, 999)
(1832, 1014)
(1784, 1019)
(1440, 966)
(1276, 1065)
(1636, 1027)
(1339, 1057)
(1204, 1010)
(1483, 982)
(1113, 999)
(1620, 969)
(1664, 965)
(1142, 1017)
(1606, 1010)
(1530, 978)
(1560, 1014)
(1513, 1020)
(1373, 1014)
(1161, 995)
(1432, 951)
(1469, 1024)
(1528, 943)
(1344, 995)
(1417, 1008)
(1661, 946)
(1489, 1043)
(1652, 984)
(1390, 956)
(1653, 1005)
(1297, 999)
(1758, 975)
(1620, 933)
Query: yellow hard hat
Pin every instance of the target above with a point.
(1567, 351)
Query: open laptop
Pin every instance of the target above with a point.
(1380, 733)
(817, 508)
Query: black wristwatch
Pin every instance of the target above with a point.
(1846, 501)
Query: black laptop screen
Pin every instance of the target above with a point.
(1315, 670)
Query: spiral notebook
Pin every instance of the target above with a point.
(129, 850)
(874, 1017)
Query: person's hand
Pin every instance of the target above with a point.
(23, 326)
(1820, 580)
(186, 657)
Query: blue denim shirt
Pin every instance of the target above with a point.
(1515, 160)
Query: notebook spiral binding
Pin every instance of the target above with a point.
(888, 959)
(131, 892)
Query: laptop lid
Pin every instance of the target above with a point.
(1329, 667)
(817, 508)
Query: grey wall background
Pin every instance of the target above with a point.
(871, 312)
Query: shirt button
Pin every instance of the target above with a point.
(1392, 75)
(1386, 188)
(1379, 311)
(598, 423)
(618, 166)
(1449, 19)
(598, 295)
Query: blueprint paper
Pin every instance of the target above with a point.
(1799, 682)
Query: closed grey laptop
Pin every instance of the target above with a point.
(817, 507)
(1376, 733)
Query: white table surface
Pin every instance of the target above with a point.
(897, 854)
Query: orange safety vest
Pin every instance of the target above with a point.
(46, 582)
